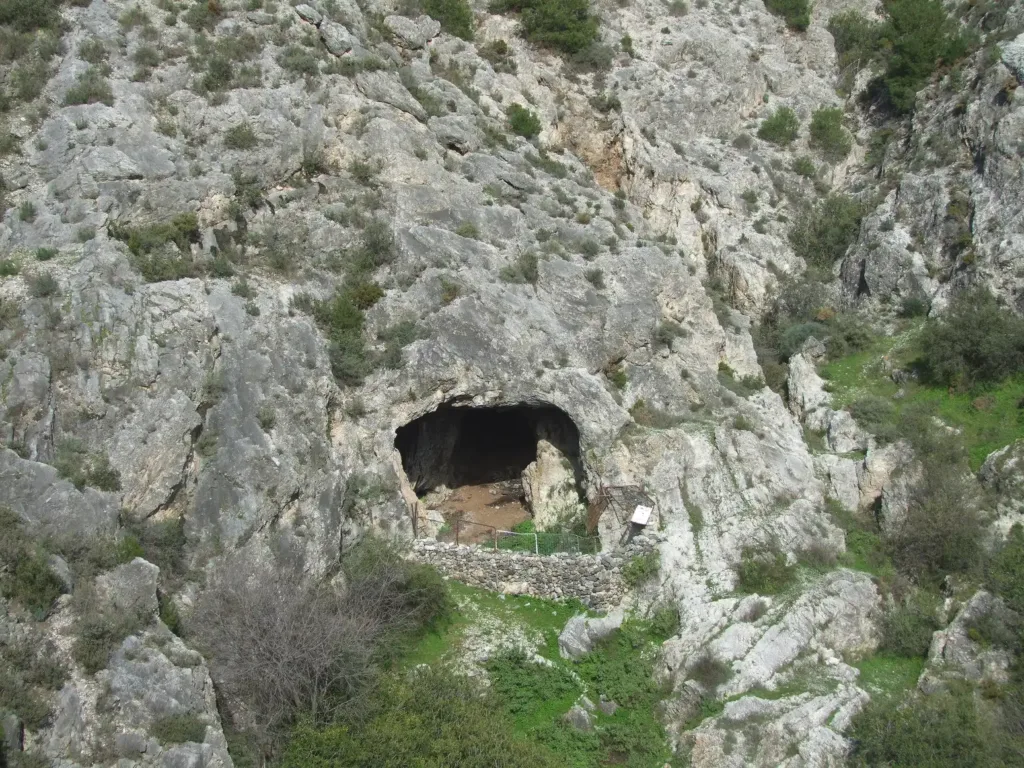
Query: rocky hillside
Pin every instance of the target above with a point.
(742, 247)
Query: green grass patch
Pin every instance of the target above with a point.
(478, 607)
(885, 674)
(987, 417)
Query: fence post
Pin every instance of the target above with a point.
(495, 539)
(536, 544)
(458, 523)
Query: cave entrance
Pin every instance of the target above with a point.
(492, 467)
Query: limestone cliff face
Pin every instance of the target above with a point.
(573, 275)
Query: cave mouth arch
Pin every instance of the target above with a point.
(460, 445)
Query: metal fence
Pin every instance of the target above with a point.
(540, 543)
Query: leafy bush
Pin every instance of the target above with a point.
(941, 729)
(908, 626)
(665, 622)
(299, 60)
(641, 569)
(975, 341)
(649, 416)
(828, 134)
(524, 270)
(822, 234)
(148, 247)
(521, 683)
(29, 673)
(456, 16)
(42, 285)
(764, 573)
(797, 13)
(82, 467)
(178, 729)
(30, 15)
(522, 121)
(915, 39)
(91, 87)
(744, 386)
(1006, 570)
(432, 717)
(873, 413)
(241, 137)
(25, 575)
(595, 277)
(99, 630)
(941, 531)
(709, 671)
(804, 166)
(922, 37)
(565, 25)
(858, 40)
(781, 128)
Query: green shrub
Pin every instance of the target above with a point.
(523, 270)
(941, 729)
(522, 121)
(873, 413)
(178, 729)
(93, 51)
(404, 725)
(299, 61)
(616, 375)
(797, 13)
(648, 416)
(27, 211)
(168, 612)
(456, 16)
(148, 247)
(162, 543)
(709, 671)
(1006, 570)
(858, 41)
(10, 311)
(82, 467)
(975, 341)
(822, 234)
(241, 137)
(641, 569)
(921, 37)
(203, 15)
(91, 87)
(828, 134)
(99, 631)
(781, 128)
(42, 285)
(764, 573)
(941, 531)
(45, 254)
(26, 576)
(521, 683)
(30, 15)
(804, 166)
(907, 627)
(595, 277)
(565, 25)
(914, 306)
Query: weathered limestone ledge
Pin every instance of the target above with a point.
(595, 580)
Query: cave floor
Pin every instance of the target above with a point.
(482, 508)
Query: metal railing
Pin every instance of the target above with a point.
(468, 532)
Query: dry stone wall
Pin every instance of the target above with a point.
(595, 580)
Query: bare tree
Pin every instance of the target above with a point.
(281, 646)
